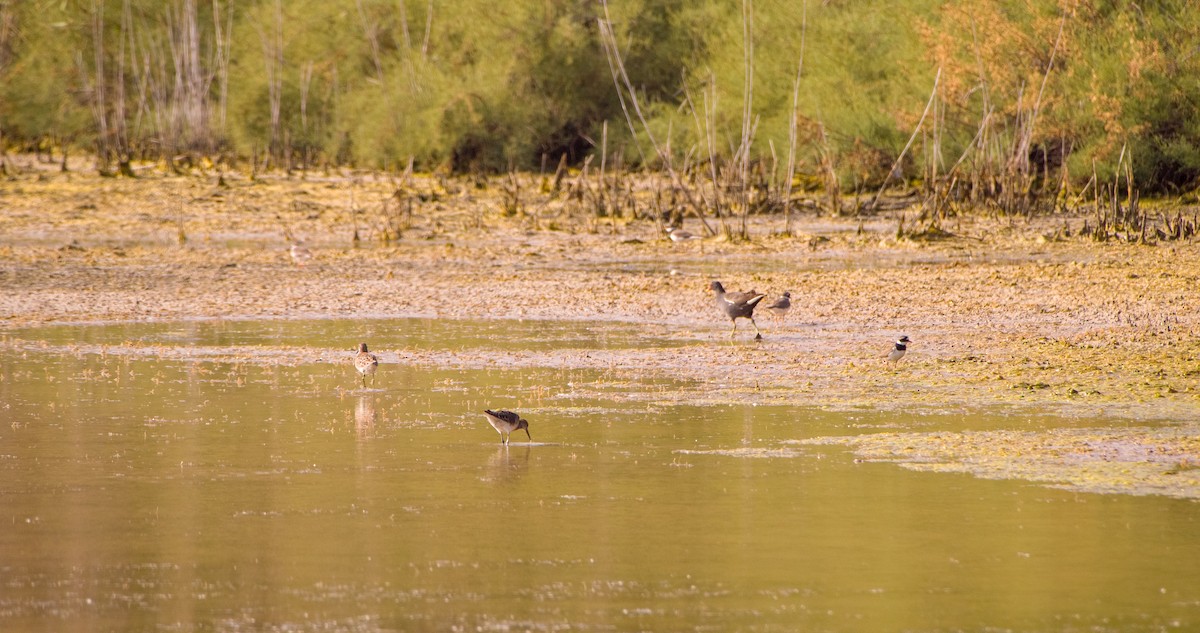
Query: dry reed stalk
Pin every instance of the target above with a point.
(791, 162)
(932, 95)
(560, 172)
(627, 96)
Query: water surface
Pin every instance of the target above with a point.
(175, 494)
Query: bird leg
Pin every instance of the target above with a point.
(734, 330)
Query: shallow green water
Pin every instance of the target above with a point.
(141, 493)
(339, 336)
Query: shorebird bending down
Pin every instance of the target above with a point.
(680, 235)
(505, 422)
(738, 305)
(300, 255)
(898, 351)
(781, 306)
(366, 363)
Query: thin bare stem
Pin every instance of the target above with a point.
(1022, 148)
(892, 170)
(621, 79)
(791, 162)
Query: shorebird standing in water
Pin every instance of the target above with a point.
(781, 306)
(300, 255)
(505, 422)
(899, 350)
(738, 305)
(366, 363)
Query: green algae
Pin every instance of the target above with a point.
(1138, 460)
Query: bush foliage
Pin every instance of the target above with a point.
(1062, 88)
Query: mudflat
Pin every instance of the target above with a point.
(1003, 312)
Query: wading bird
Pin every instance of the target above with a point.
(505, 422)
(738, 305)
(366, 363)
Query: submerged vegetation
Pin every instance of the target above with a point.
(1018, 107)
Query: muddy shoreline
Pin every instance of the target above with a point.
(1004, 313)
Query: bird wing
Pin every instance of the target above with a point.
(507, 416)
(749, 298)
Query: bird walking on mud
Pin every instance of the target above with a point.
(900, 348)
(781, 305)
(738, 305)
(366, 363)
(300, 255)
(505, 422)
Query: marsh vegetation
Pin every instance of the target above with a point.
(1008, 109)
(206, 205)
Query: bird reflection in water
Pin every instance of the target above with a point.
(364, 416)
(507, 463)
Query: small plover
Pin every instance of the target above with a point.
(899, 349)
(300, 255)
(781, 306)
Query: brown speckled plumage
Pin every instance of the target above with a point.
(505, 422)
(366, 363)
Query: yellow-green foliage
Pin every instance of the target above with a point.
(1119, 79)
(476, 85)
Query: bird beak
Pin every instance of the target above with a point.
(528, 435)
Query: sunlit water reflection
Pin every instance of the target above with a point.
(180, 495)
